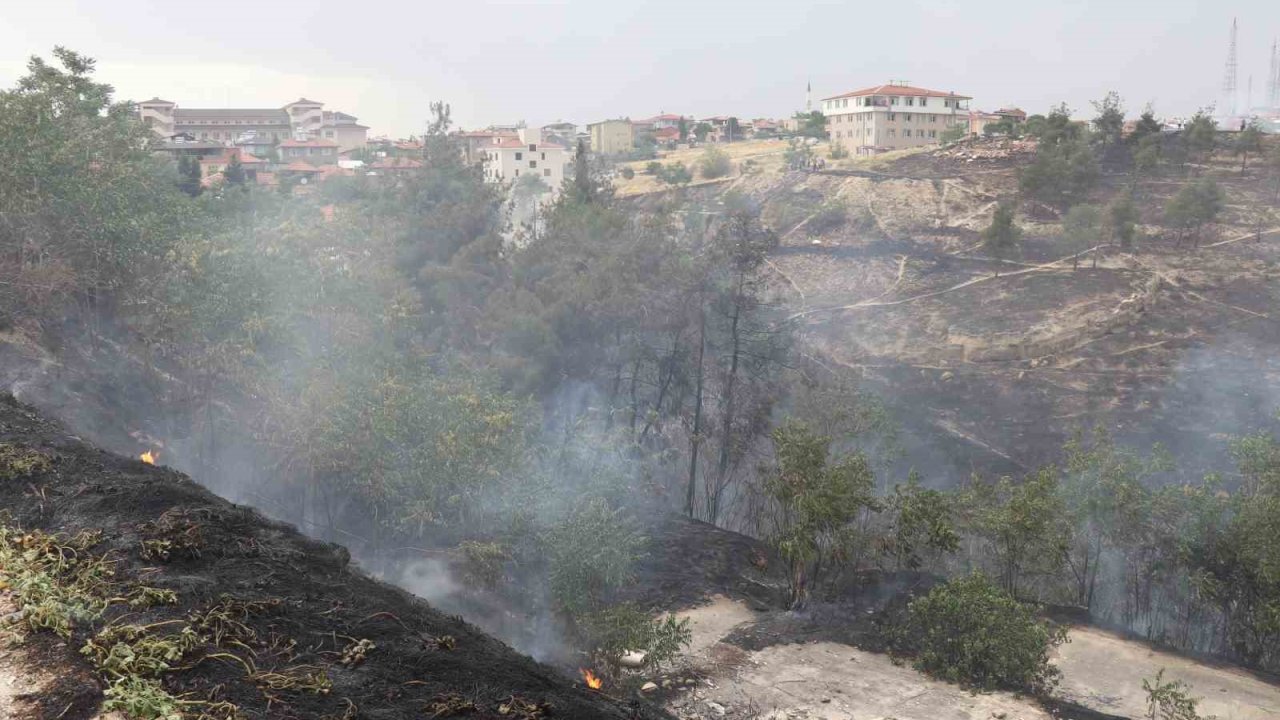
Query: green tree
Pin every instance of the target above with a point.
(234, 172)
(1122, 220)
(812, 124)
(714, 163)
(733, 129)
(953, 133)
(921, 525)
(1002, 236)
(1248, 141)
(1146, 158)
(1170, 700)
(1196, 205)
(189, 175)
(1200, 135)
(970, 631)
(1024, 525)
(1147, 126)
(816, 500)
(683, 126)
(701, 130)
(1082, 228)
(1108, 124)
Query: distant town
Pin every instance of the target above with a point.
(300, 144)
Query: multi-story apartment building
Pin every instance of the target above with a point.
(612, 137)
(299, 119)
(893, 116)
(507, 158)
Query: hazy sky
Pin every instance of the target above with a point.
(584, 60)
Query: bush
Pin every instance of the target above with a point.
(971, 632)
(675, 174)
(626, 628)
(628, 173)
(838, 152)
(828, 217)
(590, 552)
(653, 168)
(714, 163)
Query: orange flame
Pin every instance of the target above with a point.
(150, 457)
(593, 682)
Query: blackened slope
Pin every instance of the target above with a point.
(316, 599)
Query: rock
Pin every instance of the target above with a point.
(632, 660)
(648, 687)
(716, 708)
(947, 376)
(666, 682)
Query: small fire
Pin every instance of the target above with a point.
(150, 457)
(593, 682)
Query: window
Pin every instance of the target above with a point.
(911, 101)
(533, 147)
(893, 116)
(924, 101)
(890, 132)
(544, 156)
(328, 133)
(919, 133)
(517, 172)
(893, 100)
(844, 103)
(933, 133)
(519, 156)
(933, 118)
(907, 118)
(546, 172)
(533, 164)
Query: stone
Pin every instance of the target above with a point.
(716, 708)
(632, 659)
(648, 687)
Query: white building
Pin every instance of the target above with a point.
(893, 116)
(506, 159)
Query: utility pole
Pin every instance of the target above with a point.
(1273, 84)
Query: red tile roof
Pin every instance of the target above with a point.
(515, 144)
(899, 90)
(299, 166)
(667, 116)
(307, 143)
(397, 163)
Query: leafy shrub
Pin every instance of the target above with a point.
(1170, 700)
(838, 152)
(829, 217)
(714, 163)
(626, 628)
(675, 174)
(628, 173)
(484, 563)
(653, 168)
(18, 462)
(972, 632)
(590, 552)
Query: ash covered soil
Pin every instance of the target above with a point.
(298, 605)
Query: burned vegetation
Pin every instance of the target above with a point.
(134, 589)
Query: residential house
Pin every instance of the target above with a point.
(214, 165)
(764, 128)
(722, 130)
(311, 152)
(509, 158)
(893, 116)
(612, 137)
(664, 120)
(301, 118)
(979, 120)
(395, 165)
(476, 142)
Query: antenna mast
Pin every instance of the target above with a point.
(1273, 85)
(1229, 78)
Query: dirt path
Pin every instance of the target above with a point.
(1105, 672)
(821, 680)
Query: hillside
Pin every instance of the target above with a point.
(237, 615)
(882, 265)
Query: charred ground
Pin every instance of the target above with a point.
(299, 607)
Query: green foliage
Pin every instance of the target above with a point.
(1147, 126)
(812, 124)
(1002, 236)
(953, 133)
(1082, 228)
(617, 630)
(142, 699)
(921, 525)
(1200, 135)
(1249, 140)
(714, 163)
(591, 551)
(838, 151)
(121, 651)
(653, 168)
(1063, 173)
(234, 172)
(1024, 525)
(817, 502)
(628, 173)
(972, 632)
(484, 563)
(1170, 700)
(1196, 205)
(20, 462)
(675, 173)
(57, 584)
(831, 216)
(701, 130)
(1108, 125)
